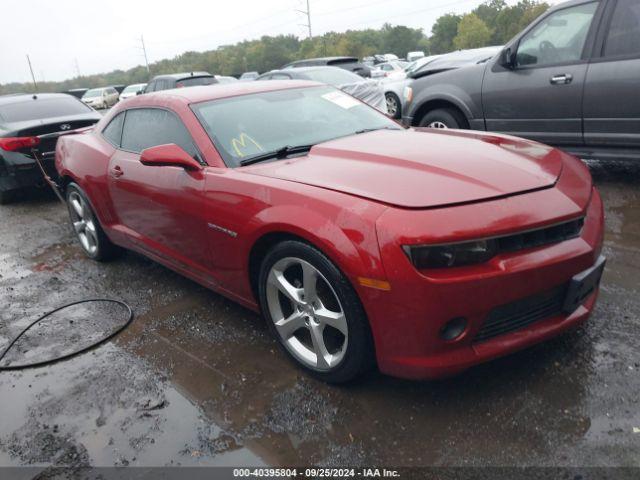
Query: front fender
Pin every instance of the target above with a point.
(349, 241)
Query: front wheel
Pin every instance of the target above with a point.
(87, 228)
(393, 105)
(443, 118)
(315, 314)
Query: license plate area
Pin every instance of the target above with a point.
(582, 285)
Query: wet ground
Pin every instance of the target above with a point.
(196, 379)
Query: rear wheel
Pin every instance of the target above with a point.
(314, 313)
(393, 105)
(86, 226)
(443, 118)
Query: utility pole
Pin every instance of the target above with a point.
(33, 77)
(75, 62)
(144, 50)
(307, 12)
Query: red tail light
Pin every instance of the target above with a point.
(11, 144)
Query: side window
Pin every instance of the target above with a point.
(150, 87)
(149, 127)
(623, 37)
(113, 132)
(558, 38)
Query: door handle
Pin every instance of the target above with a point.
(563, 79)
(116, 172)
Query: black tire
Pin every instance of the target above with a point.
(359, 355)
(392, 98)
(448, 117)
(6, 196)
(104, 249)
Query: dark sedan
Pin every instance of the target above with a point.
(33, 122)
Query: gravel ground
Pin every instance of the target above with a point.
(196, 380)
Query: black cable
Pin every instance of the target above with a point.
(68, 355)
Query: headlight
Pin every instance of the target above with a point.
(451, 255)
(407, 93)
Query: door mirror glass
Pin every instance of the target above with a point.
(169, 155)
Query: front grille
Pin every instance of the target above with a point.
(543, 236)
(516, 315)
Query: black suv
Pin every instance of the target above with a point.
(570, 79)
(34, 122)
(348, 63)
(179, 80)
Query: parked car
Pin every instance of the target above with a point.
(23, 119)
(101, 98)
(347, 63)
(132, 90)
(413, 56)
(361, 242)
(394, 86)
(179, 80)
(369, 91)
(570, 79)
(393, 67)
(77, 92)
(225, 79)
(248, 76)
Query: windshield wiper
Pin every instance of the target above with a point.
(365, 130)
(279, 153)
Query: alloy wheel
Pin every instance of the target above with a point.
(437, 124)
(307, 313)
(392, 105)
(83, 223)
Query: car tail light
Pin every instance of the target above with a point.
(11, 144)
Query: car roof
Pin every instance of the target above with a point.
(178, 76)
(220, 90)
(324, 59)
(26, 97)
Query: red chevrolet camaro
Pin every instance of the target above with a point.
(422, 251)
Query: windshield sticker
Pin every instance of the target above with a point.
(342, 100)
(244, 144)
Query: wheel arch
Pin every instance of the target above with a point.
(436, 103)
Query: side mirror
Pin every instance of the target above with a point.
(507, 58)
(169, 155)
(139, 92)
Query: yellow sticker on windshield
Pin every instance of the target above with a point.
(244, 141)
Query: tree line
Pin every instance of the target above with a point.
(492, 23)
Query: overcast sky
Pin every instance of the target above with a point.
(103, 36)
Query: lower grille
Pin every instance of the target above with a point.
(516, 315)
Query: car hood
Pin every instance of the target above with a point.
(423, 168)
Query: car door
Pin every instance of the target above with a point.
(539, 94)
(611, 95)
(158, 207)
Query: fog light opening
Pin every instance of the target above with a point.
(453, 329)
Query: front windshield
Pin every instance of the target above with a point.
(96, 92)
(245, 126)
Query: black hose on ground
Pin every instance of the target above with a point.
(72, 354)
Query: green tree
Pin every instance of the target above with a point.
(443, 32)
(472, 33)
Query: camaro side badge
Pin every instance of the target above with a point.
(65, 126)
(231, 233)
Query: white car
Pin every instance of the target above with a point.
(101, 98)
(132, 90)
